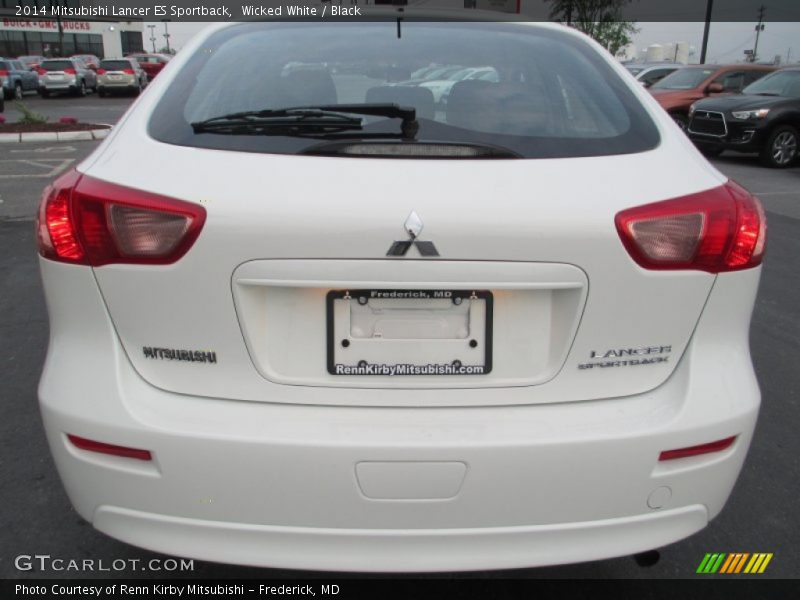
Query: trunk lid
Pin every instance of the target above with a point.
(244, 316)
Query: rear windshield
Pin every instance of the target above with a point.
(115, 65)
(684, 79)
(5, 66)
(57, 65)
(532, 92)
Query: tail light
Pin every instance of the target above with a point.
(3, 73)
(70, 71)
(127, 71)
(722, 229)
(101, 71)
(86, 221)
(40, 71)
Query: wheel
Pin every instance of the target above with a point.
(101, 92)
(781, 147)
(681, 120)
(44, 93)
(18, 91)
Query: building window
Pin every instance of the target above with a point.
(131, 42)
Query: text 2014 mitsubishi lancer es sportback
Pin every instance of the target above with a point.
(340, 326)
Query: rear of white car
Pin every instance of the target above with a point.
(501, 338)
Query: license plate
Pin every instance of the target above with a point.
(409, 332)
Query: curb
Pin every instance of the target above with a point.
(54, 136)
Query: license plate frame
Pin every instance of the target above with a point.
(334, 337)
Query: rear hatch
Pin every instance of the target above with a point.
(116, 72)
(57, 73)
(297, 279)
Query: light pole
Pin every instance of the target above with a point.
(152, 29)
(166, 36)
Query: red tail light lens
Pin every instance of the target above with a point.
(3, 73)
(101, 71)
(40, 71)
(103, 448)
(87, 221)
(128, 71)
(717, 446)
(722, 229)
(70, 71)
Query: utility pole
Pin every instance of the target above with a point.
(759, 29)
(704, 48)
(152, 29)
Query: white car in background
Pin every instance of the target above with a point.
(350, 336)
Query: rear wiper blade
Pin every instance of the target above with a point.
(308, 119)
(767, 94)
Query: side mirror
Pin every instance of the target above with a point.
(715, 88)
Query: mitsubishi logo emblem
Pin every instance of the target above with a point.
(413, 227)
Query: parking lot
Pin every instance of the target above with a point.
(37, 517)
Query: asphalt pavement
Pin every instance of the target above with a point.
(36, 517)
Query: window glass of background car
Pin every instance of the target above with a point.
(782, 83)
(115, 65)
(656, 75)
(57, 65)
(684, 79)
(468, 82)
(732, 81)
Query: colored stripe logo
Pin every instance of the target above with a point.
(734, 563)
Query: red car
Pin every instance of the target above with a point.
(151, 63)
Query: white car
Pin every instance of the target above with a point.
(352, 338)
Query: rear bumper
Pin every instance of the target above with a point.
(394, 489)
(394, 549)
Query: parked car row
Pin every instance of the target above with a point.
(79, 74)
(741, 107)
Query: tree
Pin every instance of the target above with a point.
(599, 19)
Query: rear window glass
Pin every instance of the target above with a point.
(115, 65)
(57, 65)
(5, 66)
(533, 92)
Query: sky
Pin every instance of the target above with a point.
(727, 41)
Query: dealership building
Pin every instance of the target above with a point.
(43, 35)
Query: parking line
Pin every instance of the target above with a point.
(51, 167)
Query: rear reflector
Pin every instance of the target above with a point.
(717, 446)
(87, 221)
(722, 229)
(103, 448)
